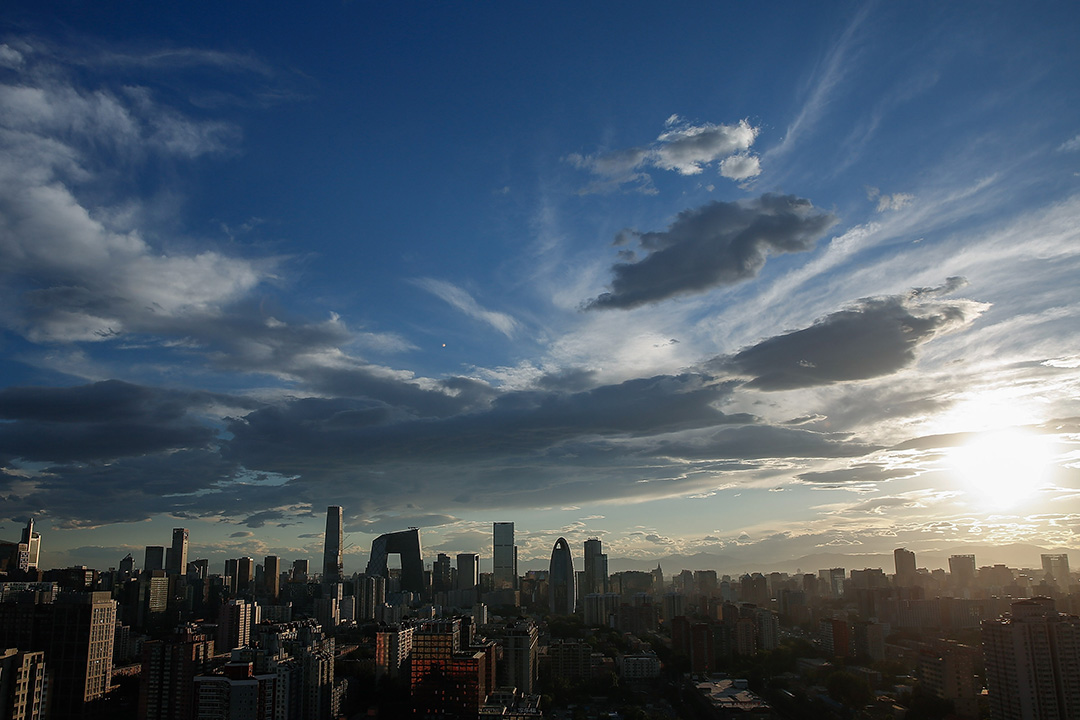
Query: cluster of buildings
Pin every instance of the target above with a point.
(267, 639)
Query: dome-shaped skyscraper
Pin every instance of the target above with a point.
(561, 585)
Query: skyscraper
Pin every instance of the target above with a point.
(468, 571)
(596, 572)
(154, 559)
(176, 556)
(332, 546)
(504, 555)
(1031, 658)
(76, 632)
(1057, 567)
(561, 579)
(962, 570)
(29, 548)
(904, 561)
(272, 575)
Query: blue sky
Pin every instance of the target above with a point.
(754, 280)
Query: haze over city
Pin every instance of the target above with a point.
(755, 281)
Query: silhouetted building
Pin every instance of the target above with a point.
(75, 631)
(272, 576)
(904, 562)
(1056, 568)
(596, 568)
(333, 541)
(154, 558)
(176, 556)
(504, 556)
(561, 579)
(406, 544)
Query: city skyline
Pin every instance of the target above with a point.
(719, 281)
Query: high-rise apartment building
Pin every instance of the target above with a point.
(75, 631)
(234, 625)
(1032, 659)
(504, 555)
(441, 573)
(521, 648)
(333, 540)
(169, 669)
(176, 555)
(904, 562)
(23, 690)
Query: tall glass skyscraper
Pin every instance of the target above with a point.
(561, 579)
(332, 546)
(504, 555)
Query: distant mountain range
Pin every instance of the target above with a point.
(1014, 555)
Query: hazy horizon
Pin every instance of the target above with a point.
(764, 281)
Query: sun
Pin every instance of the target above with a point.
(1003, 468)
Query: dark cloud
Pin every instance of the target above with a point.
(752, 442)
(104, 420)
(313, 434)
(126, 490)
(875, 337)
(718, 244)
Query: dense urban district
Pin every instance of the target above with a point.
(439, 639)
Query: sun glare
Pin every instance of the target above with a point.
(1002, 468)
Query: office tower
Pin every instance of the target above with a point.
(76, 633)
(272, 575)
(521, 652)
(333, 540)
(169, 669)
(440, 574)
(561, 578)
(406, 544)
(596, 573)
(23, 690)
(1031, 658)
(176, 556)
(468, 571)
(29, 548)
(127, 566)
(1057, 568)
(245, 574)
(300, 571)
(234, 625)
(962, 570)
(504, 555)
(904, 561)
(154, 558)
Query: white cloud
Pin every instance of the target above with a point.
(683, 147)
(1070, 145)
(687, 149)
(740, 167)
(463, 301)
